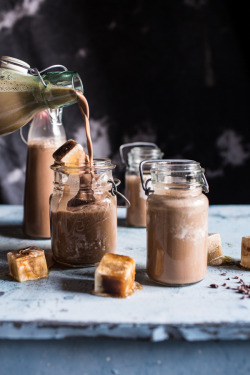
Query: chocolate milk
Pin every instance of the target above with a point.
(83, 218)
(136, 213)
(177, 236)
(38, 188)
(81, 237)
(84, 108)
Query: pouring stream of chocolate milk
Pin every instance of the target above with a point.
(84, 108)
(84, 197)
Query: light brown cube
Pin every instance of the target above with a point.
(245, 252)
(115, 276)
(214, 249)
(70, 153)
(27, 264)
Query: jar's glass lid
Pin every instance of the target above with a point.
(139, 151)
(175, 173)
(175, 165)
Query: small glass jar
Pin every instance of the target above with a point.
(177, 222)
(83, 213)
(136, 213)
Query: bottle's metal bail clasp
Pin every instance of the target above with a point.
(113, 191)
(34, 71)
(134, 144)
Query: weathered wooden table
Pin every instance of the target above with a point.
(189, 330)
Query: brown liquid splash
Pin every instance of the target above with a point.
(87, 195)
(84, 108)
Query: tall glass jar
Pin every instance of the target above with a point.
(136, 213)
(83, 213)
(177, 222)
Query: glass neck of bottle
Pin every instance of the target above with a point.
(61, 89)
(55, 116)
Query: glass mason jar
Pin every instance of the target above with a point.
(136, 213)
(83, 213)
(177, 222)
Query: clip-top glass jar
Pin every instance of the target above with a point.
(83, 213)
(136, 213)
(177, 222)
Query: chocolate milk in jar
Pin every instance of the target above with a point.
(177, 222)
(83, 213)
(46, 134)
(136, 213)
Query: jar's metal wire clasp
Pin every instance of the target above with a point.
(116, 182)
(133, 144)
(205, 186)
(144, 184)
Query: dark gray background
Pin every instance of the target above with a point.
(174, 72)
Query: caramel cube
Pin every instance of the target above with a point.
(115, 276)
(245, 252)
(27, 264)
(70, 153)
(214, 248)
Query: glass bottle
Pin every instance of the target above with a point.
(177, 222)
(22, 95)
(136, 213)
(45, 135)
(83, 213)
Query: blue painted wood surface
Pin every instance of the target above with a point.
(123, 357)
(63, 306)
